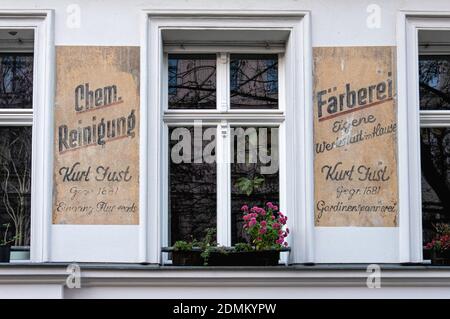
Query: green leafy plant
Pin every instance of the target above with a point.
(182, 245)
(4, 237)
(442, 228)
(249, 185)
(209, 244)
(243, 247)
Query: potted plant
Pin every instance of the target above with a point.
(439, 247)
(190, 253)
(186, 254)
(5, 245)
(267, 234)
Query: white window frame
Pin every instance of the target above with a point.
(410, 120)
(41, 119)
(223, 118)
(296, 163)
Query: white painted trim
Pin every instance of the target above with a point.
(298, 112)
(435, 118)
(223, 188)
(409, 121)
(42, 144)
(16, 117)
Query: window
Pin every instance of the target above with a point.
(434, 99)
(16, 97)
(217, 162)
(274, 53)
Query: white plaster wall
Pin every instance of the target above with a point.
(333, 23)
(116, 22)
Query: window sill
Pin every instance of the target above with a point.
(337, 275)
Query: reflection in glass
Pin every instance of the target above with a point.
(254, 173)
(16, 80)
(434, 82)
(435, 161)
(15, 182)
(192, 81)
(192, 183)
(254, 81)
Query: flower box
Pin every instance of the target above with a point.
(225, 256)
(187, 258)
(245, 258)
(440, 259)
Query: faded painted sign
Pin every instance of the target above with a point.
(355, 137)
(96, 169)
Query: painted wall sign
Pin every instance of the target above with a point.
(355, 137)
(96, 169)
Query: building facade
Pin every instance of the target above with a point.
(129, 126)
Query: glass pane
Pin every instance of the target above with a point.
(192, 182)
(16, 80)
(192, 81)
(435, 161)
(15, 183)
(254, 81)
(254, 173)
(434, 82)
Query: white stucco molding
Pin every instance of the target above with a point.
(295, 276)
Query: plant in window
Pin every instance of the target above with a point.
(15, 185)
(266, 227)
(439, 247)
(194, 252)
(248, 185)
(5, 243)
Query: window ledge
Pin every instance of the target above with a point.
(99, 274)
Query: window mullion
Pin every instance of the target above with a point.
(223, 99)
(223, 184)
(223, 153)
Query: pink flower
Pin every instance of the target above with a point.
(269, 204)
(244, 208)
(259, 239)
(273, 217)
(252, 222)
(262, 212)
(286, 244)
(246, 217)
(279, 241)
(280, 232)
(263, 230)
(275, 207)
(254, 209)
(276, 226)
(287, 230)
(263, 223)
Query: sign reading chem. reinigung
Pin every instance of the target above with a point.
(96, 169)
(355, 137)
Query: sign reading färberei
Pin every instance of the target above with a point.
(355, 137)
(96, 169)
